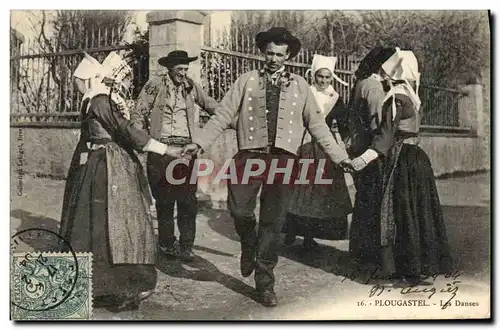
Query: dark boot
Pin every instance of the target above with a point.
(247, 260)
(268, 298)
(171, 252)
(187, 255)
(245, 227)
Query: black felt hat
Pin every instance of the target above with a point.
(278, 35)
(176, 57)
(372, 62)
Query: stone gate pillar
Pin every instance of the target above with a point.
(175, 29)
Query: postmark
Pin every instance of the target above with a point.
(50, 285)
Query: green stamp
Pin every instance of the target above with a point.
(51, 286)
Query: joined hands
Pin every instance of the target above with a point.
(352, 165)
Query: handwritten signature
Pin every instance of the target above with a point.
(451, 288)
(376, 290)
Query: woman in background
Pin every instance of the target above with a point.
(320, 210)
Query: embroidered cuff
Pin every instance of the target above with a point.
(369, 155)
(156, 147)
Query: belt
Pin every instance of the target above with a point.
(176, 140)
(266, 150)
(95, 146)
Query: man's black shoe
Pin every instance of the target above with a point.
(268, 298)
(187, 255)
(171, 252)
(247, 260)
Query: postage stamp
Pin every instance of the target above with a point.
(51, 286)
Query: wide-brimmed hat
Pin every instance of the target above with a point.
(278, 35)
(372, 62)
(176, 57)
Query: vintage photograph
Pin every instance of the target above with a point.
(185, 165)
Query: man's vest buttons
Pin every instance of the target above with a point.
(250, 108)
(252, 129)
(250, 138)
(250, 118)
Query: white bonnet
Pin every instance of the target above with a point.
(325, 62)
(88, 68)
(115, 67)
(402, 65)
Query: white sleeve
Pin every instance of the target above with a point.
(369, 155)
(156, 147)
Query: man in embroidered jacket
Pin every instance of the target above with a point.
(270, 108)
(166, 108)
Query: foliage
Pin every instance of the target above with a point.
(452, 46)
(140, 55)
(45, 82)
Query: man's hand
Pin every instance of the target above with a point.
(190, 150)
(346, 165)
(174, 152)
(358, 163)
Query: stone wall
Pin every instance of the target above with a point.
(48, 152)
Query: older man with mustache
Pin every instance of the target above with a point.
(166, 109)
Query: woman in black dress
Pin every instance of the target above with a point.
(409, 240)
(106, 207)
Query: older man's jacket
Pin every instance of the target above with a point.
(156, 95)
(244, 107)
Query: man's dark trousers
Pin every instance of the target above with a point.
(166, 194)
(273, 207)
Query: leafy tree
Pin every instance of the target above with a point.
(452, 46)
(45, 82)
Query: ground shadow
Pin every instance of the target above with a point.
(221, 222)
(204, 271)
(30, 221)
(213, 251)
(327, 258)
(468, 231)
